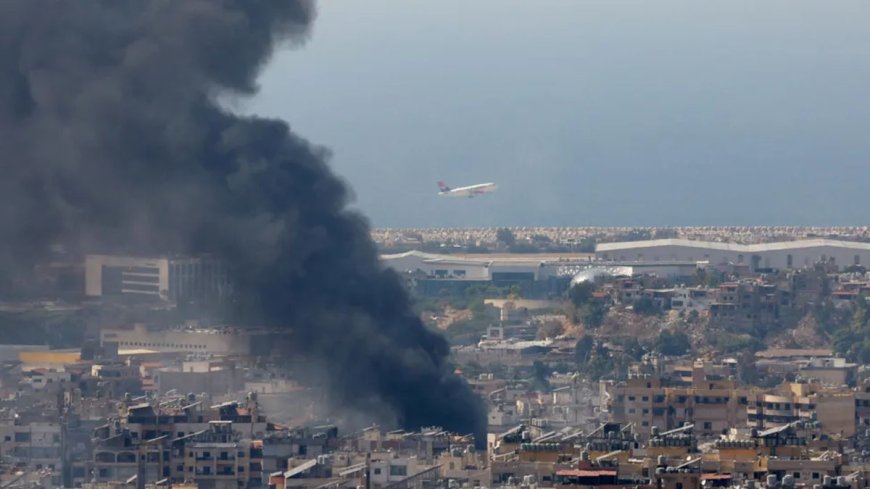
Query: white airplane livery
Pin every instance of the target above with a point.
(469, 191)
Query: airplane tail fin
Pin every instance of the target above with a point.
(443, 187)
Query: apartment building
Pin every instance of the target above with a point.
(220, 458)
(743, 305)
(31, 441)
(834, 409)
(690, 299)
(712, 404)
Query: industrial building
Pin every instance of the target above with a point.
(213, 341)
(437, 274)
(781, 255)
(537, 276)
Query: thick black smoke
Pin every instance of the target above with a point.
(111, 140)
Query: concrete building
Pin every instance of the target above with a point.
(211, 377)
(164, 278)
(225, 341)
(712, 405)
(34, 442)
(833, 409)
(689, 299)
(782, 255)
(434, 274)
(221, 459)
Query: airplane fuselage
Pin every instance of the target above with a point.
(469, 191)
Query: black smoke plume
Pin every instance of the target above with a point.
(111, 139)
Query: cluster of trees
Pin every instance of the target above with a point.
(586, 309)
(595, 360)
(852, 339)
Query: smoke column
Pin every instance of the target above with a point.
(111, 140)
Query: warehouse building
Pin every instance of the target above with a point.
(781, 255)
(433, 274)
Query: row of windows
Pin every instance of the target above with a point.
(163, 345)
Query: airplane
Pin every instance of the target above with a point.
(469, 191)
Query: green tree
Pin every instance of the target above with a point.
(633, 348)
(673, 344)
(853, 340)
(645, 306)
(583, 350)
(505, 236)
(592, 314)
(587, 245)
(581, 293)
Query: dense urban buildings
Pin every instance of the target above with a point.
(646, 363)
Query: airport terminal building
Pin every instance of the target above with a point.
(781, 255)
(537, 276)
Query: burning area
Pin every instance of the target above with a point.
(113, 139)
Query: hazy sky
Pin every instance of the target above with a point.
(588, 112)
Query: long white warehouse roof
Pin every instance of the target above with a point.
(745, 248)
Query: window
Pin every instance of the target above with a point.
(644, 398)
(857, 259)
(399, 470)
(679, 485)
(708, 425)
(377, 471)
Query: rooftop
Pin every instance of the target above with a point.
(736, 247)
